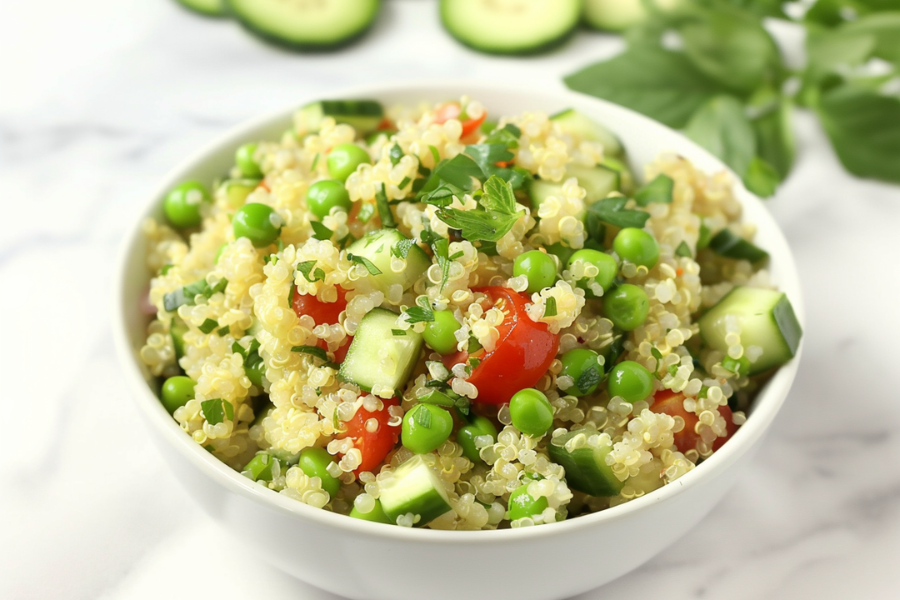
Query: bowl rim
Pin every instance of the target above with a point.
(767, 405)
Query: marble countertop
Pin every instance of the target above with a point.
(101, 98)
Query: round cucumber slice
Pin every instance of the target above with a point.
(306, 24)
(510, 26)
(209, 8)
(619, 15)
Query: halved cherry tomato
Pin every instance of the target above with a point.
(523, 353)
(672, 404)
(323, 313)
(374, 445)
(453, 110)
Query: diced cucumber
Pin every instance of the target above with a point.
(377, 357)
(376, 247)
(237, 190)
(362, 115)
(510, 27)
(597, 181)
(573, 122)
(727, 243)
(209, 8)
(318, 25)
(767, 320)
(626, 178)
(586, 468)
(415, 488)
(376, 515)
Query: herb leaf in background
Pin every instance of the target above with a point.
(774, 129)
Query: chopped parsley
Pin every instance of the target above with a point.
(590, 377)
(208, 326)
(659, 190)
(368, 264)
(397, 332)
(187, 295)
(320, 231)
(401, 249)
(217, 410)
(384, 209)
(396, 153)
(488, 157)
(550, 309)
(612, 210)
(422, 416)
(310, 272)
(508, 135)
(312, 351)
(366, 212)
(683, 250)
(497, 213)
(423, 313)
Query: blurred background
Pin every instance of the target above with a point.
(101, 98)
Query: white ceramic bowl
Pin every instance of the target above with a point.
(370, 561)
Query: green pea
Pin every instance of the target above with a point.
(466, 435)
(255, 368)
(258, 223)
(583, 367)
(182, 205)
(176, 391)
(637, 246)
(627, 306)
(376, 515)
(246, 161)
(630, 381)
(531, 412)
(314, 462)
(561, 252)
(425, 428)
(325, 195)
(606, 267)
(538, 267)
(439, 334)
(522, 505)
(177, 331)
(344, 159)
(260, 467)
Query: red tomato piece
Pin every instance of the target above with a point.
(453, 110)
(327, 313)
(374, 445)
(523, 353)
(672, 404)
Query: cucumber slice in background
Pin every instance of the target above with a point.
(208, 8)
(511, 26)
(306, 24)
(415, 488)
(362, 115)
(619, 15)
(767, 320)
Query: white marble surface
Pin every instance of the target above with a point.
(100, 98)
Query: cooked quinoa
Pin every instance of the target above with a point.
(504, 375)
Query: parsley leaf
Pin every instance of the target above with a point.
(366, 212)
(217, 410)
(508, 135)
(683, 250)
(320, 231)
(368, 264)
(309, 272)
(659, 190)
(459, 172)
(312, 351)
(188, 294)
(440, 246)
(423, 313)
(384, 209)
(398, 332)
(722, 127)
(590, 377)
(611, 210)
(499, 214)
(486, 156)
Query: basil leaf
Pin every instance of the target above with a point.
(384, 209)
(721, 126)
(312, 351)
(321, 232)
(611, 210)
(368, 264)
(217, 410)
(663, 85)
(659, 190)
(864, 128)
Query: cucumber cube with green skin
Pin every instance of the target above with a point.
(766, 319)
(586, 468)
(237, 190)
(362, 115)
(376, 247)
(379, 359)
(597, 181)
(575, 123)
(414, 489)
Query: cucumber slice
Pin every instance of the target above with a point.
(521, 27)
(415, 488)
(597, 181)
(362, 115)
(626, 178)
(727, 243)
(767, 320)
(209, 8)
(586, 468)
(319, 25)
(574, 123)
(619, 15)
(376, 247)
(237, 190)
(379, 358)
